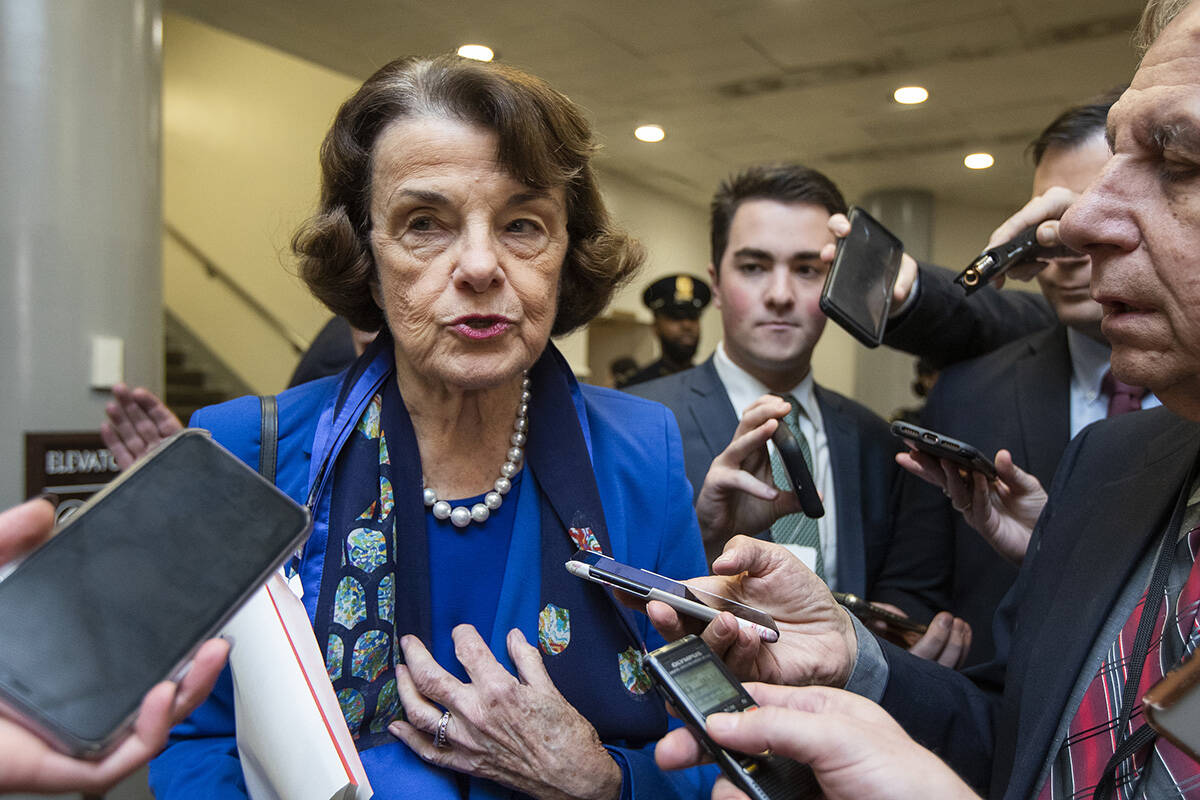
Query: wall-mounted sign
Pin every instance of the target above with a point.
(72, 465)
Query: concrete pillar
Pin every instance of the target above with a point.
(80, 211)
(883, 377)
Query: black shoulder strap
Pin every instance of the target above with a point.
(269, 439)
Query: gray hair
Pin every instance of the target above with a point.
(1155, 16)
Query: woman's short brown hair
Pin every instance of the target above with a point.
(544, 142)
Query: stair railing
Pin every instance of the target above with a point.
(215, 272)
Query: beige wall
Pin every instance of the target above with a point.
(241, 128)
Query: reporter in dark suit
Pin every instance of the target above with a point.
(1029, 397)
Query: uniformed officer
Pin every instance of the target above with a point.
(676, 302)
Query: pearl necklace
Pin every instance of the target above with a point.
(461, 516)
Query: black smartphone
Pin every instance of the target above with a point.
(869, 612)
(941, 446)
(858, 289)
(132, 584)
(798, 471)
(695, 682)
(697, 603)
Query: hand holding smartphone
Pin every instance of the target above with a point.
(132, 584)
(939, 445)
(798, 471)
(688, 600)
(869, 612)
(695, 682)
(858, 289)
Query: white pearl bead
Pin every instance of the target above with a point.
(523, 410)
(480, 512)
(441, 509)
(493, 500)
(429, 496)
(508, 469)
(526, 396)
(514, 454)
(518, 439)
(521, 425)
(526, 383)
(503, 485)
(460, 516)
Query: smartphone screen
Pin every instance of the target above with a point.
(133, 583)
(654, 580)
(858, 289)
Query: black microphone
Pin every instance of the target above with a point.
(999, 259)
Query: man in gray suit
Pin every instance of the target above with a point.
(769, 224)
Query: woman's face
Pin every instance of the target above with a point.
(468, 257)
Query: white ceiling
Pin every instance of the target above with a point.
(741, 81)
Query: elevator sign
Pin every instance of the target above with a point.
(73, 466)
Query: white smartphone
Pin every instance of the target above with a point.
(685, 599)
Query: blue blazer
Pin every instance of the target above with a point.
(861, 451)
(638, 464)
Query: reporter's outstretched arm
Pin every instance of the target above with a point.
(27, 763)
(932, 317)
(137, 421)
(854, 748)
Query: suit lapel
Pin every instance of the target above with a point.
(844, 452)
(709, 405)
(1043, 401)
(1082, 579)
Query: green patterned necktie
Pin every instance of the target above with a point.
(796, 529)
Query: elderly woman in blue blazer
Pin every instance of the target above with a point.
(458, 464)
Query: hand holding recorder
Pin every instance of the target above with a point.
(1021, 246)
(28, 763)
(853, 746)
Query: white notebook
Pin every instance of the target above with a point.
(291, 736)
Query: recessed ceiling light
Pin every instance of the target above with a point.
(911, 95)
(476, 52)
(649, 133)
(979, 161)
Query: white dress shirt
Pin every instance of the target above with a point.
(1089, 362)
(743, 389)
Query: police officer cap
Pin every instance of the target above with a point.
(679, 296)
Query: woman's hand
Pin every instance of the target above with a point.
(817, 642)
(520, 732)
(739, 495)
(854, 747)
(137, 422)
(1003, 511)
